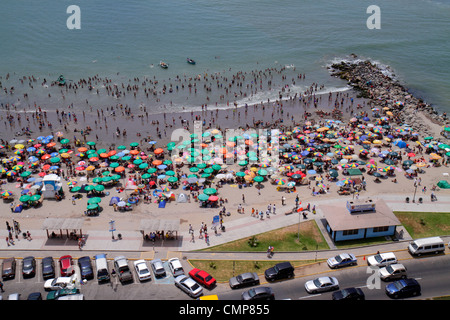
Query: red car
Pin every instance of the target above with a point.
(65, 263)
(202, 277)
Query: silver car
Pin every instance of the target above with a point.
(244, 280)
(322, 284)
(158, 268)
(189, 286)
(175, 267)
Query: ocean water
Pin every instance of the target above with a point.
(121, 40)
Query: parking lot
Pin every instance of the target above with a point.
(156, 288)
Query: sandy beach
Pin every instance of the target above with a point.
(295, 116)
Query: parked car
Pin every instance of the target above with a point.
(122, 269)
(86, 268)
(349, 294)
(321, 284)
(189, 286)
(393, 271)
(244, 280)
(175, 267)
(158, 268)
(59, 283)
(35, 296)
(281, 270)
(382, 259)
(342, 260)
(48, 268)
(28, 267)
(202, 277)
(14, 296)
(54, 295)
(101, 265)
(142, 270)
(258, 293)
(403, 288)
(9, 268)
(65, 264)
(426, 245)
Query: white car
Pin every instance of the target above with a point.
(322, 284)
(175, 267)
(142, 270)
(59, 283)
(189, 286)
(382, 259)
(158, 268)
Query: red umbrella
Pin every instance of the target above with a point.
(213, 198)
(411, 154)
(46, 167)
(46, 156)
(80, 168)
(41, 174)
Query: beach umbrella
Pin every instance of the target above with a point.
(143, 165)
(280, 182)
(94, 200)
(210, 191)
(64, 141)
(194, 169)
(24, 198)
(216, 167)
(75, 189)
(119, 169)
(258, 179)
(6, 194)
(240, 174)
(90, 143)
(89, 187)
(203, 197)
(99, 188)
(25, 174)
(172, 179)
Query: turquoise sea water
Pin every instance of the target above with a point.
(126, 39)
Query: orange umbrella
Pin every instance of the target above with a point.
(230, 144)
(119, 169)
(82, 149)
(134, 152)
(157, 162)
(112, 152)
(46, 156)
(104, 155)
(51, 144)
(159, 151)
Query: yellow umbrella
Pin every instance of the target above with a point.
(19, 146)
(65, 155)
(435, 156)
(90, 168)
(389, 113)
(377, 142)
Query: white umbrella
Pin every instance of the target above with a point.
(122, 204)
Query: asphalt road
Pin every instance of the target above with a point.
(432, 272)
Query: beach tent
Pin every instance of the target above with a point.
(182, 198)
(162, 204)
(443, 184)
(18, 208)
(131, 185)
(114, 200)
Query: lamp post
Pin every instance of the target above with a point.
(112, 228)
(415, 190)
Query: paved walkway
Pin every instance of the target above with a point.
(132, 241)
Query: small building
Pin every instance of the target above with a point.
(52, 186)
(360, 219)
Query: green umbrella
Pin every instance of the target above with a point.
(94, 200)
(146, 176)
(55, 160)
(97, 180)
(114, 157)
(172, 179)
(167, 162)
(258, 179)
(63, 151)
(210, 191)
(102, 151)
(114, 164)
(428, 138)
(107, 179)
(134, 144)
(152, 170)
(89, 187)
(65, 141)
(143, 165)
(170, 173)
(243, 163)
(99, 188)
(203, 197)
(262, 172)
(126, 158)
(90, 151)
(115, 177)
(193, 169)
(206, 175)
(216, 167)
(75, 189)
(25, 198)
(35, 197)
(208, 170)
(90, 143)
(201, 165)
(106, 173)
(206, 158)
(137, 161)
(171, 144)
(92, 206)
(25, 174)
(121, 148)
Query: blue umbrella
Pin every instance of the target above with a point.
(366, 119)
(31, 149)
(305, 153)
(312, 172)
(31, 179)
(161, 176)
(54, 154)
(50, 137)
(33, 159)
(152, 142)
(162, 167)
(40, 138)
(54, 167)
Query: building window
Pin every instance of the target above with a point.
(380, 229)
(350, 232)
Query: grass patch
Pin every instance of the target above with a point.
(284, 239)
(425, 224)
(223, 270)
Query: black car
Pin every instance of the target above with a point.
(259, 293)
(28, 267)
(48, 268)
(86, 268)
(35, 296)
(349, 294)
(283, 270)
(403, 288)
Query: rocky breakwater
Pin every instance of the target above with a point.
(379, 85)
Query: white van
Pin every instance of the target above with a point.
(77, 296)
(382, 259)
(426, 245)
(102, 268)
